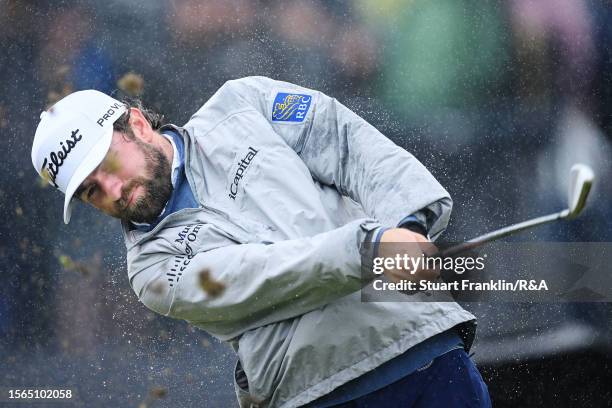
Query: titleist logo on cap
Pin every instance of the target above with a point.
(56, 159)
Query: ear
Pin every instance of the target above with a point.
(141, 127)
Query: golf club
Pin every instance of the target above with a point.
(581, 180)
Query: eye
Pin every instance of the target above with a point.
(90, 191)
(85, 193)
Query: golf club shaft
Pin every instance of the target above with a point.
(502, 232)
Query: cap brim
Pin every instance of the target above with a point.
(89, 163)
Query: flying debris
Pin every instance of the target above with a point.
(212, 287)
(131, 83)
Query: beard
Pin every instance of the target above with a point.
(157, 188)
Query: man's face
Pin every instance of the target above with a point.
(132, 183)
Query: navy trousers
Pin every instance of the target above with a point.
(451, 381)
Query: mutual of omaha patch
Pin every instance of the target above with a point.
(290, 107)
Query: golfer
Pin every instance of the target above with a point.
(248, 221)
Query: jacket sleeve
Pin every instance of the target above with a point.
(343, 150)
(262, 283)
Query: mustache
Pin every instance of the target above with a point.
(126, 191)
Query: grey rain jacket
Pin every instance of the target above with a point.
(284, 207)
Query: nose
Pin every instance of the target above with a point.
(112, 186)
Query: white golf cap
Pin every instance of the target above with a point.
(73, 138)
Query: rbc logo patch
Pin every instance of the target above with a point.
(290, 107)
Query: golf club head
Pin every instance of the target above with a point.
(581, 180)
